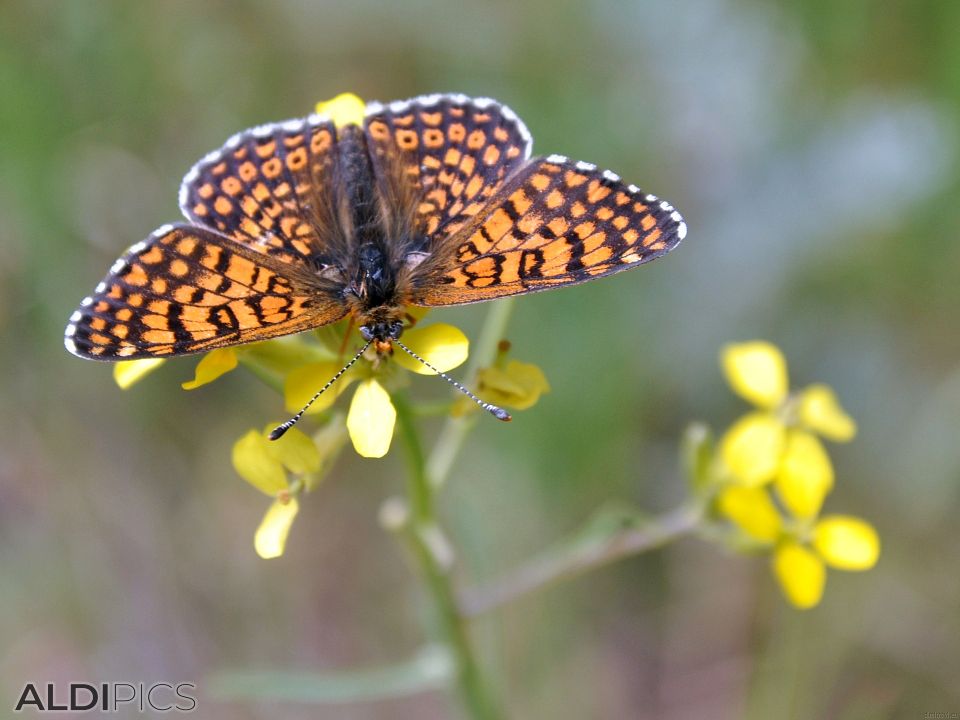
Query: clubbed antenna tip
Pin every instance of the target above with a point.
(498, 412)
(279, 430)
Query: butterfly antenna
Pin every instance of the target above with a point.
(498, 412)
(279, 430)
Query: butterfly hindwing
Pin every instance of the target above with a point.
(553, 223)
(455, 151)
(269, 188)
(186, 290)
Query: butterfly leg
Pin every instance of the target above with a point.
(346, 337)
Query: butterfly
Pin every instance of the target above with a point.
(433, 201)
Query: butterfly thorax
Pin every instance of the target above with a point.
(375, 289)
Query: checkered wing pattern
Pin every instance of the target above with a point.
(187, 290)
(269, 188)
(453, 150)
(553, 223)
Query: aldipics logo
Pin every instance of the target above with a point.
(109, 697)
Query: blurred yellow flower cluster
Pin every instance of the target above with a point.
(773, 474)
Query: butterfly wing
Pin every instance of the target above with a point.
(272, 188)
(451, 150)
(187, 290)
(552, 223)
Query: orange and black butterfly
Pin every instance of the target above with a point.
(434, 201)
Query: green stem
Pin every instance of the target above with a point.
(418, 489)
(429, 669)
(455, 430)
(610, 536)
(434, 559)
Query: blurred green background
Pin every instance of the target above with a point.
(812, 149)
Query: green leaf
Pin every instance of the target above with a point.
(696, 455)
(431, 669)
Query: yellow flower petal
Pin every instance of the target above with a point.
(756, 371)
(127, 372)
(443, 346)
(752, 448)
(301, 384)
(752, 510)
(254, 461)
(271, 537)
(801, 574)
(344, 109)
(371, 419)
(518, 385)
(295, 450)
(847, 543)
(806, 474)
(820, 411)
(211, 366)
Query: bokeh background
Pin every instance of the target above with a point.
(812, 147)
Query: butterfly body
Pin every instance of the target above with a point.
(434, 201)
(373, 271)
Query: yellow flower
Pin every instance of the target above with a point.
(301, 383)
(128, 372)
(265, 465)
(752, 448)
(803, 547)
(516, 385)
(443, 346)
(776, 442)
(757, 372)
(840, 541)
(211, 366)
(271, 537)
(371, 419)
(752, 510)
(805, 476)
(507, 383)
(372, 416)
(801, 574)
(847, 543)
(820, 411)
(344, 109)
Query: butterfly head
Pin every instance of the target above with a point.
(381, 333)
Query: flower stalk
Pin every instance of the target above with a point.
(431, 553)
(613, 534)
(456, 428)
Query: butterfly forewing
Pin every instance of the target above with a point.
(271, 188)
(553, 223)
(188, 290)
(455, 150)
